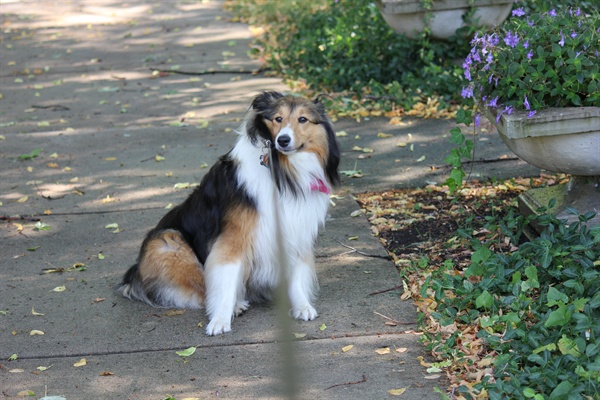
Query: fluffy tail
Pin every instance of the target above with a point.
(168, 273)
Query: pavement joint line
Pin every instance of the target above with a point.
(216, 345)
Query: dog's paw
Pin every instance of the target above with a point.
(217, 326)
(305, 312)
(240, 307)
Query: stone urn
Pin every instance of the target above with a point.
(443, 18)
(563, 140)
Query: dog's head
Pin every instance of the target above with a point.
(295, 124)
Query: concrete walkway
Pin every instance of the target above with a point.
(95, 145)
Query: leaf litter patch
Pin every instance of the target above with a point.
(420, 229)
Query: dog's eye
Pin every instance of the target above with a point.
(302, 120)
(278, 119)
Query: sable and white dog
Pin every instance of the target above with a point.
(218, 248)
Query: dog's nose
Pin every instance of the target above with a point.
(283, 141)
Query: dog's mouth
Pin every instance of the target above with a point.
(289, 149)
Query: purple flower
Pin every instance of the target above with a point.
(530, 23)
(511, 39)
(499, 116)
(509, 110)
(518, 12)
(526, 103)
(529, 54)
(531, 113)
(493, 102)
(467, 92)
(561, 42)
(526, 44)
(477, 119)
(573, 35)
(552, 13)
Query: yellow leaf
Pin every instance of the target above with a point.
(299, 335)
(384, 135)
(401, 144)
(23, 199)
(401, 350)
(33, 312)
(367, 150)
(19, 227)
(112, 226)
(181, 185)
(80, 363)
(35, 332)
(110, 158)
(74, 180)
(357, 148)
(323, 327)
(397, 392)
(347, 348)
(383, 350)
(52, 165)
(106, 373)
(16, 370)
(59, 289)
(341, 134)
(422, 158)
(26, 393)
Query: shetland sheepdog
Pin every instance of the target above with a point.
(218, 249)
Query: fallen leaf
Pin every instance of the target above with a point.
(397, 392)
(16, 371)
(59, 289)
(353, 238)
(99, 299)
(110, 158)
(42, 368)
(187, 352)
(25, 393)
(22, 199)
(384, 135)
(52, 165)
(341, 134)
(299, 335)
(80, 363)
(40, 226)
(383, 350)
(181, 185)
(101, 256)
(13, 357)
(322, 327)
(159, 158)
(172, 313)
(422, 158)
(401, 350)
(347, 348)
(33, 312)
(35, 332)
(106, 373)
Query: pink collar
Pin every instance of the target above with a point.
(320, 186)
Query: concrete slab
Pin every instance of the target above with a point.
(77, 83)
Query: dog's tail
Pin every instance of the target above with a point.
(168, 273)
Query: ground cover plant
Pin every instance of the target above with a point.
(506, 317)
(344, 48)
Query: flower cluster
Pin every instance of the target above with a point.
(536, 61)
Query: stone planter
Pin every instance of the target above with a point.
(563, 140)
(410, 18)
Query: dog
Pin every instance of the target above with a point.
(219, 248)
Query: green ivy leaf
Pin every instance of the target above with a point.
(484, 300)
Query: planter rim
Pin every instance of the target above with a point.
(414, 6)
(555, 121)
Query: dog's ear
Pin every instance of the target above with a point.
(317, 99)
(264, 100)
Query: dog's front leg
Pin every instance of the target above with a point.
(303, 286)
(224, 289)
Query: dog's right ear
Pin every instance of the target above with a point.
(265, 100)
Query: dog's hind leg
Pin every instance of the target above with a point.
(168, 273)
